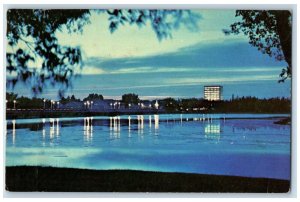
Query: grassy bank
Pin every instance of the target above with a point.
(32, 178)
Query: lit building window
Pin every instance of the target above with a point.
(213, 93)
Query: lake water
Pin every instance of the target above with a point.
(232, 144)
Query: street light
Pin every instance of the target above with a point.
(51, 104)
(84, 105)
(129, 105)
(88, 104)
(156, 104)
(111, 105)
(92, 104)
(44, 103)
(57, 105)
(15, 104)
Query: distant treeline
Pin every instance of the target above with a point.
(254, 105)
(171, 105)
(38, 103)
(235, 105)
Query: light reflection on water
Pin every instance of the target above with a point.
(88, 129)
(212, 131)
(211, 128)
(13, 131)
(156, 142)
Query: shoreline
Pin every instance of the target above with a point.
(52, 179)
(59, 114)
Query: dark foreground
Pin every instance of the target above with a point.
(31, 178)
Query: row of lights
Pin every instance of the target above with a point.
(88, 104)
(14, 101)
(113, 105)
(52, 103)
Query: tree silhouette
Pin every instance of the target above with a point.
(130, 98)
(36, 58)
(10, 97)
(93, 96)
(270, 31)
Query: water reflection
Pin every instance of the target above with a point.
(156, 124)
(13, 131)
(57, 127)
(150, 121)
(88, 129)
(174, 149)
(136, 126)
(129, 126)
(141, 127)
(115, 127)
(212, 130)
(52, 128)
(140, 119)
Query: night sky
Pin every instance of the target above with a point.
(133, 60)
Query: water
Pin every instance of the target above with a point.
(240, 145)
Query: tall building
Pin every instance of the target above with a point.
(213, 93)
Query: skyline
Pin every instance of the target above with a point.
(133, 60)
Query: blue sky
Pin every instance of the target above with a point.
(133, 60)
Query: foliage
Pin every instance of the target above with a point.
(270, 31)
(254, 105)
(10, 97)
(31, 35)
(93, 96)
(190, 103)
(37, 59)
(171, 105)
(237, 105)
(23, 102)
(68, 99)
(130, 98)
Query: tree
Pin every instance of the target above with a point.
(190, 103)
(93, 96)
(130, 98)
(170, 104)
(270, 31)
(64, 100)
(36, 58)
(10, 97)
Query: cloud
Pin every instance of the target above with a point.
(139, 70)
(227, 55)
(250, 69)
(177, 82)
(197, 81)
(136, 70)
(90, 70)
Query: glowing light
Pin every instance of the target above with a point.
(156, 122)
(150, 121)
(156, 105)
(13, 131)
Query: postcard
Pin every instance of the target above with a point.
(148, 100)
